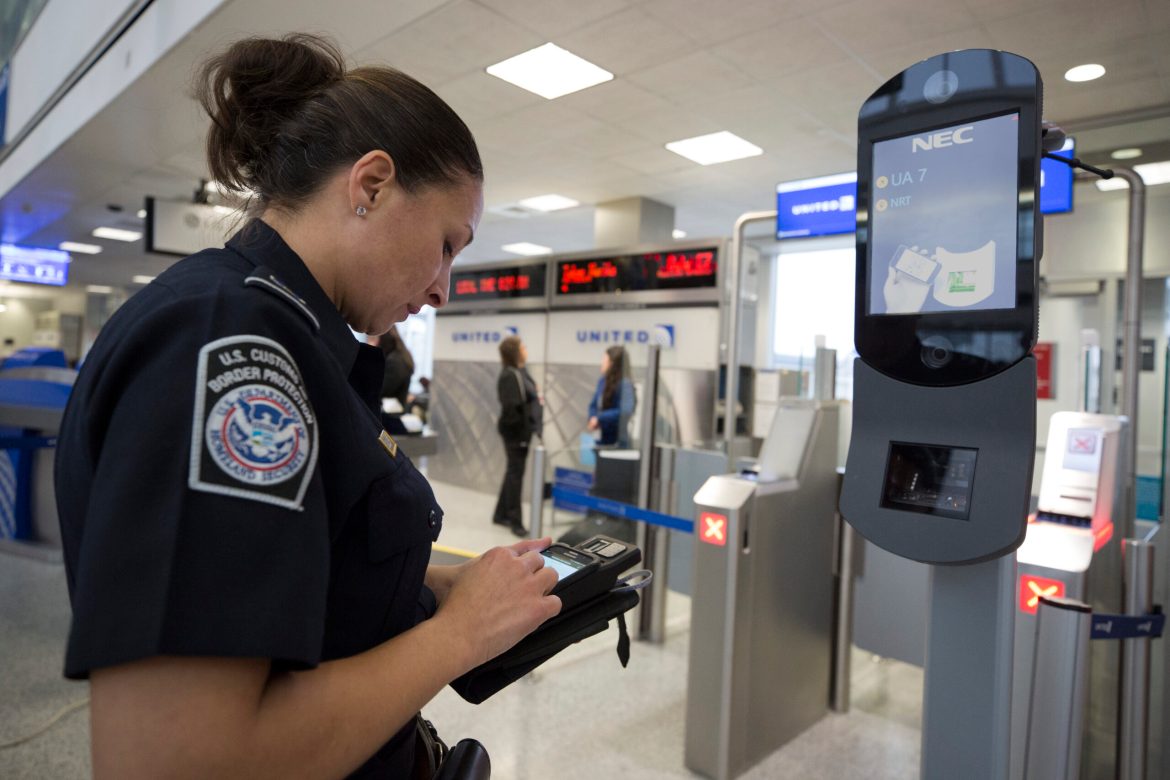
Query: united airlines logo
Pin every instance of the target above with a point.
(662, 335)
(843, 203)
(484, 336)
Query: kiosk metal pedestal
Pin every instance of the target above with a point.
(762, 604)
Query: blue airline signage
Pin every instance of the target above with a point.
(662, 335)
(1056, 182)
(817, 207)
(827, 205)
(483, 336)
(34, 265)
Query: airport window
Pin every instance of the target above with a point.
(813, 295)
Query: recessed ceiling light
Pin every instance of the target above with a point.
(74, 246)
(1105, 185)
(142, 279)
(527, 249)
(1085, 72)
(549, 203)
(3, 308)
(549, 71)
(141, 214)
(99, 289)
(117, 234)
(714, 148)
(1127, 154)
(676, 233)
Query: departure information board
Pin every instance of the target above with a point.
(498, 284)
(681, 270)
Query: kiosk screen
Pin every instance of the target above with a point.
(943, 219)
(928, 479)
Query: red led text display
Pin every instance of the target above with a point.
(682, 270)
(498, 284)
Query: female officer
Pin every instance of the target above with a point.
(247, 550)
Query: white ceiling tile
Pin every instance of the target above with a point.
(478, 96)
(708, 22)
(555, 17)
(626, 42)
(792, 46)
(865, 27)
(654, 160)
(458, 38)
(1081, 31)
(614, 100)
(692, 78)
(353, 24)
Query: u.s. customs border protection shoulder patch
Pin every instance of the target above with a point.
(254, 433)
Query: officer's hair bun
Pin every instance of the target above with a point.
(251, 91)
(286, 115)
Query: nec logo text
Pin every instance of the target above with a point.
(942, 139)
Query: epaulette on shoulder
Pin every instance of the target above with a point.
(266, 280)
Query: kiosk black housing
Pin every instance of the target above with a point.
(948, 244)
(936, 96)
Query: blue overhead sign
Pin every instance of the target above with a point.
(30, 264)
(1056, 182)
(817, 207)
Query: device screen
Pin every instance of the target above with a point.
(943, 219)
(562, 567)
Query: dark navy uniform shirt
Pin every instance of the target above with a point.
(224, 484)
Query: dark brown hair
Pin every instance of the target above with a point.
(286, 115)
(390, 342)
(510, 351)
(613, 375)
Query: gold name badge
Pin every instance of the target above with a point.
(388, 443)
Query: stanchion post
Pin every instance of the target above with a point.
(1133, 729)
(536, 515)
(843, 633)
(1060, 686)
(653, 539)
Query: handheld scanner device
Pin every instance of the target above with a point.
(589, 569)
(948, 221)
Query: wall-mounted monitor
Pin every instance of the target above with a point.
(824, 206)
(1056, 181)
(34, 265)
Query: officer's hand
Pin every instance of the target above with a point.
(499, 598)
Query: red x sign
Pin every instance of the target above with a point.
(713, 528)
(1083, 443)
(1032, 588)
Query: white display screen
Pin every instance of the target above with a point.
(562, 568)
(943, 216)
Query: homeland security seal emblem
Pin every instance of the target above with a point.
(254, 432)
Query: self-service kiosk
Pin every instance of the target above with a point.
(1070, 551)
(940, 460)
(762, 600)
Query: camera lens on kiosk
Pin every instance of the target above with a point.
(937, 351)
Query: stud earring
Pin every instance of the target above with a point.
(360, 211)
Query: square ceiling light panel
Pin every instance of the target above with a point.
(526, 248)
(549, 71)
(550, 202)
(714, 148)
